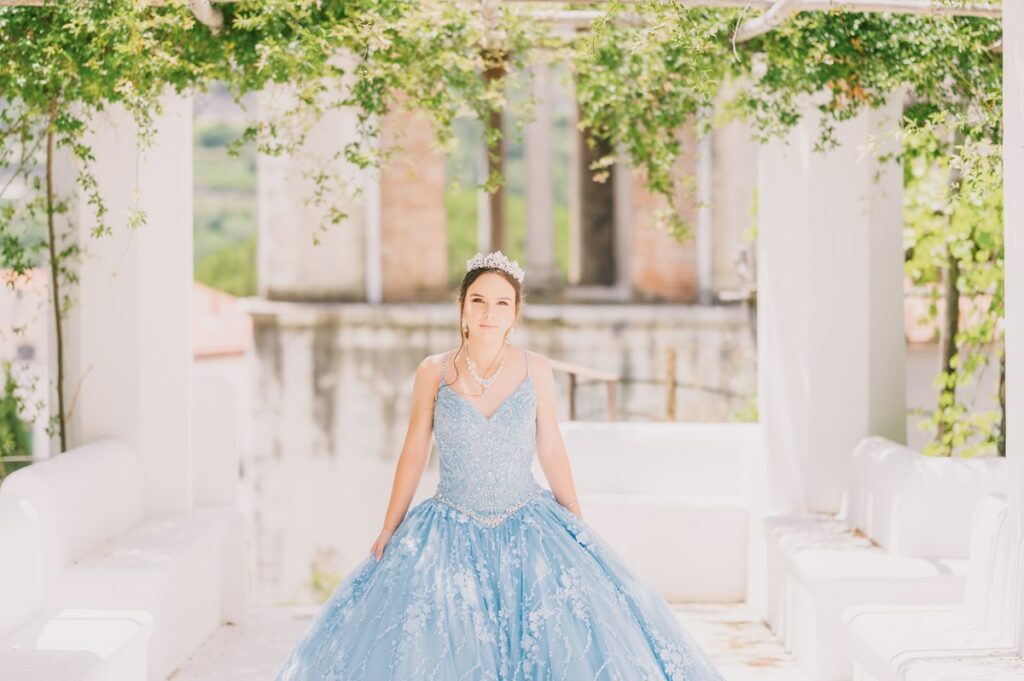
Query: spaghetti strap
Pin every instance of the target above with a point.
(444, 365)
(526, 355)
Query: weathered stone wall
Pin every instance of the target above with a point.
(333, 385)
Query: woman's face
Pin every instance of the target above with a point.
(490, 306)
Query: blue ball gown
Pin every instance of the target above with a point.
(491, 579)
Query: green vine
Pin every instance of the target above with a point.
(62, 63)
(642, 73)
(954, 244)
(637, 86)
(15, 436)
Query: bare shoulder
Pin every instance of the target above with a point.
(539, 364)
(430, 367)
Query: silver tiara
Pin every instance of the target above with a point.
(497, 260)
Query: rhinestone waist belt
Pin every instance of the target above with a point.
(490, 519)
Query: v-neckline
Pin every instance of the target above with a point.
(501, 404)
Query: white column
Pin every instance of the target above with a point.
(1013, 159)
(300, 255)
(705, 218)
(622, 204)
(830, 307)
(575, 192)
(734, 192)
(128, 340)
(540, 188)
(483, 201)
(374, 264)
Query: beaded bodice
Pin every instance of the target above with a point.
(486, 462)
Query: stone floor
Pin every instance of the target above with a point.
(742, 647)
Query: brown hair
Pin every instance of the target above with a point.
(470, 277)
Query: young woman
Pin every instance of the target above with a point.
(494, 578)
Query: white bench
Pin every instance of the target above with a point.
(875, 550)
(686, 484)
(100, 552)
(969, 640)
(39, 644)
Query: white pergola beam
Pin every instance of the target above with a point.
(967, 9)
(974, 9)
(204, 10)
(750, 4)
(582, 18)
(978, 9)
(207, 14)
(773, 16)
(775, 11)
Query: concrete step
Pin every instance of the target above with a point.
(742, 647)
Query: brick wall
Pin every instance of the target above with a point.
(413, 218)
(662, 268)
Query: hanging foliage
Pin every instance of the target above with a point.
(62, 63)
(642, 76)
(642, 73)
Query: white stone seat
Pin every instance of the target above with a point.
(178, 575)
(45, 645)
(968, 640)
(818, 565)
(718, 524)
(78, 644)
(688, 483)
(897, 642)
(916, 505)
(170, 568)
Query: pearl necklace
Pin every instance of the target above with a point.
(485, 383)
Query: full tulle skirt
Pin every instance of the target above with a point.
(539, 596)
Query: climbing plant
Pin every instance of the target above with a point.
(63, 63)
(954, 243)
(951, 71)
(856, 60)
(642, 75)
(15, 437)
(641, 72)
(60, 65)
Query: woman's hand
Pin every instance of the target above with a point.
(377, 549)
(574, 508)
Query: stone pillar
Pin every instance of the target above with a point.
(301, 256)
(495, 163)
(704, 221)
(575, 200)
(484, 240)
(661, 266)
(734, 187)
(540, 187)
(128, 339)
(374, 253)
(831, 350)
(1013, 159)
(414, 233)
(598, 260)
